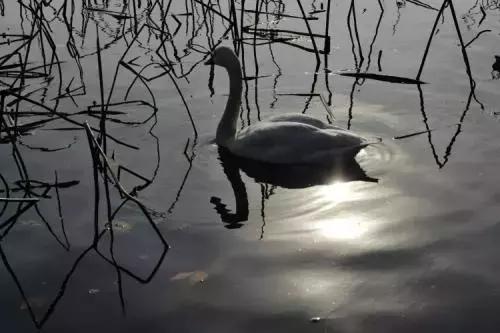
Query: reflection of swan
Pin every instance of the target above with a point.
(286, 139)
(284, 175)
(496, 68)
(496, 65)
(298, 175)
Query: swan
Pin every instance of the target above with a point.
(283, 139)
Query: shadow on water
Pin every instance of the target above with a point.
(295, 176)
(495, 73)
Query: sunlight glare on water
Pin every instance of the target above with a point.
(339, 192)
(349, 225)
(343, 228)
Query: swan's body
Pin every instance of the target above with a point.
(284, 139)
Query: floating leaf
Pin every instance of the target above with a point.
(192, 277)
(122, 226)
(93, 291)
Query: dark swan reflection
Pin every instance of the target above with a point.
(291, 176)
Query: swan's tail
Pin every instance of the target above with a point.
(372, 141)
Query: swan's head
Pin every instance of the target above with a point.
(223, 56)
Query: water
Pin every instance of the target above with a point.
(415, 251)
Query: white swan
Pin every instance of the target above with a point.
(284, 139)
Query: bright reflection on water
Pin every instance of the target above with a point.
(339, 192)
(340, 227)
(343, 228)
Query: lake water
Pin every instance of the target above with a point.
(406, 238)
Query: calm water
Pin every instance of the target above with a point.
(416, 250)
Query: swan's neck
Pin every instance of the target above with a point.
(226, 131)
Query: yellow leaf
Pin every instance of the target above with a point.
(193, 277)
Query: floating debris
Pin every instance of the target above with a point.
(120, 226)
(94, 291)
(193, 277)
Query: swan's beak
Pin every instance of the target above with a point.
(210, 61)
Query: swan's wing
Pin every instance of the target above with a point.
(303, 119)
(291, 142)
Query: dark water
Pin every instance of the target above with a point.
(416, 250)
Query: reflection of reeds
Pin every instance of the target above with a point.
(442, 162)
(359, 76)
(463, 47)
(34, 56)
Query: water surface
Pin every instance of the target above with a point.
(403, 239)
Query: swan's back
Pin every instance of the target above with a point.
(302, 119)
(292, 142)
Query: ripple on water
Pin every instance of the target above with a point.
(337, 209)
